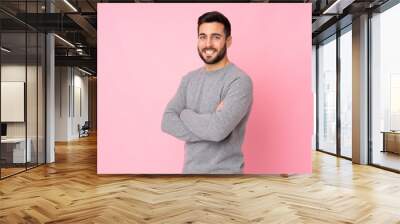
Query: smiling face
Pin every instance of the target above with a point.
(212, 42)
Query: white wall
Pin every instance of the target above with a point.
(81, 89)
(62, 81)
(34, 125)
(15, 72)
(71, 93)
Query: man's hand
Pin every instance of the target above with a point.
(220, 106)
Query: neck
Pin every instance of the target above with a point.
(220, 64)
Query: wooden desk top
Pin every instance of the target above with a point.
(14, 140)
(391, 132)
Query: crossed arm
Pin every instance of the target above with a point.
(187, 125)
(171, 122)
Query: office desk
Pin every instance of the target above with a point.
(13, 150)
(391, 141)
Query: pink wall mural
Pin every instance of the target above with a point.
(144, 49)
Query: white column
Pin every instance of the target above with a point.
(360, 90)
(50, 93)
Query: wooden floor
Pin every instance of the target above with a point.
(69, 191)
(5, 172)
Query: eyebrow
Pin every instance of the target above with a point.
(213, 34)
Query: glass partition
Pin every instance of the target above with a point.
(22, 63)
(13, 104)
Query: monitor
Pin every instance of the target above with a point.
(3, 129)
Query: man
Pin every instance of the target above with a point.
(212, 105)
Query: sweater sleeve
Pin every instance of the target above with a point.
(218, 125)
(171, 122)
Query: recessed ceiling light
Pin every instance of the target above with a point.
(70, 5)
(64, 40)
(84, 71)
(5, 50)
(338, 6)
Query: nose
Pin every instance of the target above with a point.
(208, 42)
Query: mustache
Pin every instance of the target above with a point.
(205, 49)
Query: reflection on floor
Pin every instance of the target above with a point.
(347, 152)
(10, 171)
(386, 159)
(13, 169)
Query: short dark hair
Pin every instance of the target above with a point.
(215, 16)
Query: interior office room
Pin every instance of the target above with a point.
(48, 150)
(23, 102)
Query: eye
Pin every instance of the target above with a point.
(216, 37)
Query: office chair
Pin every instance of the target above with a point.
(84, 130)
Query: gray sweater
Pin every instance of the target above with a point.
(213, 138)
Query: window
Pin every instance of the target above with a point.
(346, 92)
(385, 88)
(327, 95)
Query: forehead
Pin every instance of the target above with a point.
(209, 28)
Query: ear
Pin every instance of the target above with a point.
(229, 41)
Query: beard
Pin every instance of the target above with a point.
(220, 55)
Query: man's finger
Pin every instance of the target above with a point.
(220, 106)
